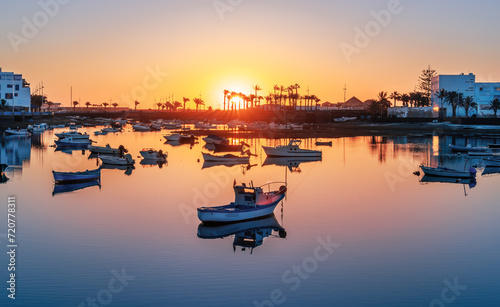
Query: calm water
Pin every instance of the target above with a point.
(394, 241)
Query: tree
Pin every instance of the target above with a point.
(256, 88)
(226, 92)
(136, 103)
(379, 106)
(198, 102)
(185, 100)
(425, 82)
(105, 104)
(114, 104)
(177, 105)
(453, 99)
(37, 100)
(441, 95)
(159, 104)
(75, 103)
(87, 104)
(405, 98)
(467, 104)
(495, 105)
(396, 96)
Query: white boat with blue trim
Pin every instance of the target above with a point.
(250, 203)
(291, 150)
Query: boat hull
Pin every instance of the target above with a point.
(491, 162)
(73, 177)
(103, 150)
(440, 172)
(230, 213)
(116, 161)
(153, 156)
(286, 152)
(467, 149)
(22, 132)
(225, 158)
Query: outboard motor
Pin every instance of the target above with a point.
(472, 171)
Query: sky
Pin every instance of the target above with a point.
(121, 51)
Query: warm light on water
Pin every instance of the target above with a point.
(400, 239)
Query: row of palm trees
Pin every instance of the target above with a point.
(412, 99)
(88, 104)
(175, 105)
(278, 100)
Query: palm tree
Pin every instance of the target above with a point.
(114, 104)
(135, 105)
(396, 96)
(87, 104)
(50, 104)
(3, 102)
(453, 98)
(198, 102)
(495, 105)
(256, 88)
(467, 103)
(441, 95)
(105, 104)
(177, 105)
(226, 92)
(405, 98)
(159, 104)
(185, 100)
(75, 103)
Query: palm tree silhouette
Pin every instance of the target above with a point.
(185, 100)
(105, 104)
(226, 92)
(198, 102)
(441, 95)
(177, 105)
(114, 104)
(87, 104)
(75, 103)
(135, 105)
(495, 105)
(256, 88)
(396, 96)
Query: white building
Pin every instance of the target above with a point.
(482, 93)
(15, 90)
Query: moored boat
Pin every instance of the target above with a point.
(127, 160)
(141, 127)
(215, 139)
(250, 203)
(19, 132)
(71, 142)
(491, 161)
(153, 155)
(73, 134)
(225, 158)
(71, 177)
(467, 148)
(324, 143)
(448, 172)
(107, 150)
(291, 150)
(173, 137)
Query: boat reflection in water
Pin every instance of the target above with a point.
(491, 170)
(153, 163)
(291, 162)
(208, 164)
(127, 168)
(65, 188)
(247, 234)
(430, 179)
(70, 150)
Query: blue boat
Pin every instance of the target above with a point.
(70, 177)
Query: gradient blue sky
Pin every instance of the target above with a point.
(103, 48)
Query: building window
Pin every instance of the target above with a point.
(8, 95)
(497, 89)
(17, 87)
(15, 94)
(9, 85)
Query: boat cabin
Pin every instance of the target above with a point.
(246, 196)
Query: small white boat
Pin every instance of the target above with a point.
(36, 128)
(104, 150)
(173, 137)
(72, 142)
(153, 155)
(100, 132)
(20, 132)
(74, 134)
(344, 119)
(172, 125)
(225, 158)
(250, 203)
(467, 148)
(215, 139)
(448, 172)
(127, 160)
(111, 129)
(491, 161)
(141, 127)
(291, 150)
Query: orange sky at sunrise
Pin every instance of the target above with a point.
(107, 50)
